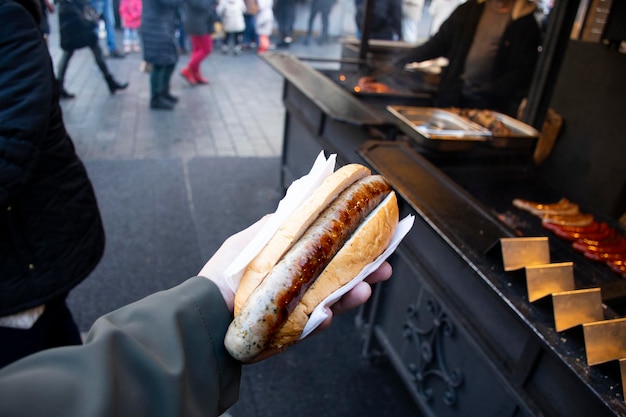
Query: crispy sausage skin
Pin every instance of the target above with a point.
(271, 303)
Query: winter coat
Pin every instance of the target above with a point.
(412, 9)
(231, 13)
(158, 31)
(264, 19)
(162, 355)
(75, 31)
(386, 21)
(198, 16)
(514, 62)
(130, 13)
(51, 234)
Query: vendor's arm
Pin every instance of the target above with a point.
(161, 356)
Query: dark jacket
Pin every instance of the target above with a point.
(51, 235)
(76, 32)
(158, 31)
(386, 19)
(161, 356)
(514, 62)
(198, 16)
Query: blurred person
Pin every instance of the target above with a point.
(250, 37)
(77, 33)
(231, 15)
(412, 11)
(199, 18)
(492, 48)
(105, 9)
(51, 233)
(323, 8)
(130, 14)
(386, 20)
(158, 34)
(162, 355)
(181, 35)
(265, 24)
(440, 10)
(285, 13)
(47, 7)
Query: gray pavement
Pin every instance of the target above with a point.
(173, 185)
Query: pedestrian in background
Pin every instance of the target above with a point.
(130, 13)
(412, 11)
(285, 12)
(440, 10)
(250, 37)
(77, 33)
(199, 18)
(158, 32)
(51, 233)
(105, 9)
(323, 8)
(386, 20)
(265, 24)
(47, 7)
(231, 14)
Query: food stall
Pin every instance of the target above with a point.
(467, 333)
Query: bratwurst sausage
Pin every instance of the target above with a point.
(276, 297)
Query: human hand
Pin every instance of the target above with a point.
(232, 247)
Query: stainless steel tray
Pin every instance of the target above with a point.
(439, 128)
(435, 123)
(519, 135)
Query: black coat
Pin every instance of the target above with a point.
(514, 63)
(158, 31)
(199, 16)
(51, 234)
(76, 31)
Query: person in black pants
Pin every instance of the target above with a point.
(285, 12)
(76, 33)
(159, 20)
(323, 7)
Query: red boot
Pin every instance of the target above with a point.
(187, 75)
(199, 78)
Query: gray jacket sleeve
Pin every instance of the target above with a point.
(161, 356)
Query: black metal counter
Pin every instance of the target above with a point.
(459, 330)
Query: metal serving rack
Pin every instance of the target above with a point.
(605, 340)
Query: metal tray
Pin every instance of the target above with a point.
(521, 135)
(439, 128)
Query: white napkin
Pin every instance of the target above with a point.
(296, 194)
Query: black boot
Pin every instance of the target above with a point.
(159, 102)
(170, 97)
(114, 85)
(63, 93)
